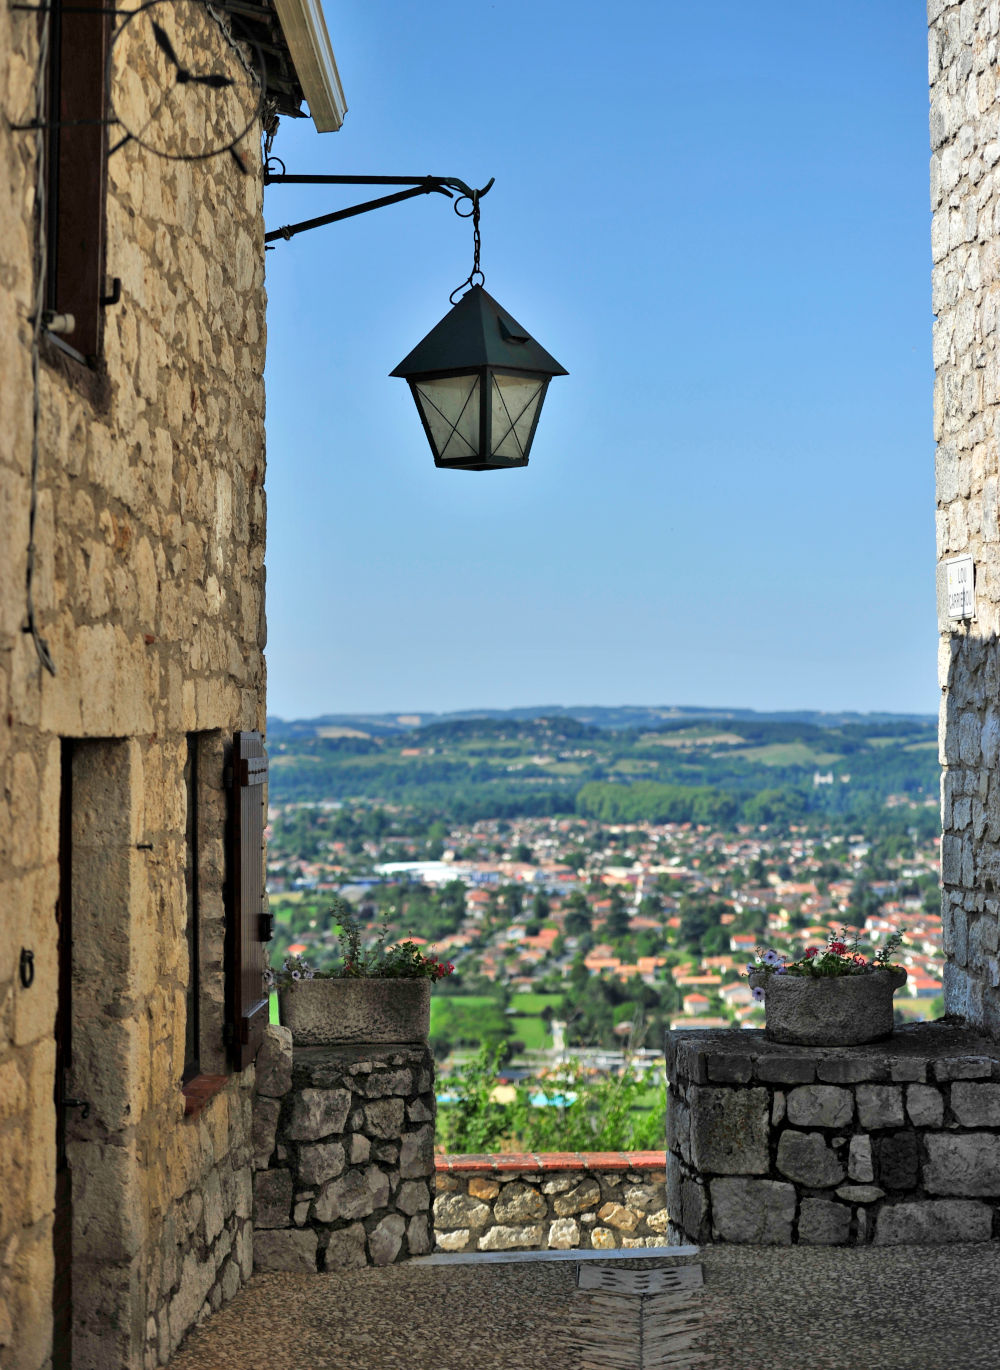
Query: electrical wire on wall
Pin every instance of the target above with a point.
(41, 269)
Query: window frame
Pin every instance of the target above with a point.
(76, 175)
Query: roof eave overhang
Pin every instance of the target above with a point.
(309, 46)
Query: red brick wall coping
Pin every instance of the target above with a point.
(540, 1162)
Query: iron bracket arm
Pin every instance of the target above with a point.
(416, 185)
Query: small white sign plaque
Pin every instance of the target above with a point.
(961, 587)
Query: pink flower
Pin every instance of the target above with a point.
(838, 948)
(811, 952)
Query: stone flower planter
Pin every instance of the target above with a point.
(325, 1012)
(828, 1011)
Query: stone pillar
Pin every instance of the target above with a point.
(343, 1154)
(892, 1143)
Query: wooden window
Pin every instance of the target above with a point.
(76, 180)
(249, 922)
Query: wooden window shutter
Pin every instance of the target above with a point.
(250, 924)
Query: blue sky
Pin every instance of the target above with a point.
(716, 217)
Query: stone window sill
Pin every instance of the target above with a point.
(199, 1090)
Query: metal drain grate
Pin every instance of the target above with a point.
(654, 1281)
(640, 1319)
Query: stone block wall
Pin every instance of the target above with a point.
(964, 45)
(204, 1248)
(556, 1201)
(893, 1143)
(343, 1154)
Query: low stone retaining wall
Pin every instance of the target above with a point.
(892, 1143)
(343, 1153)
(560, 1201)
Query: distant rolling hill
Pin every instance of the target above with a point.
(619, 764)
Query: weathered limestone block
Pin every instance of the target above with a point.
(976, 1105)
(413, 1197)
(849, 1070)
(819, 1106)
(585, 1195)
(197, 1278)
(354, 1195)
(924, 1106)
(603, 1239)
(416, 1155)
(345, 1248)
(360, 1148)
(908, 1069)
(729, 1130)
(859, 1159)
(457, 1240)
(458, 1210)
(484, 1189)
(384, 1118)
(318, 1113)
(616, 1215)
(418, 1235)
(965, 1163)
(860, 1193)
(265, 1125)
(507, 1238)
(880, 1106)
(213, 1216)
(733, 1070)
(285, 1250)
(644, 1197)
(564, 1234)
(320, 1163)
(557, 1186)
(822, 1223)
(272, 1198)
(758, 1212)
(806, 1158)
(385, 1240)
(679, 1127)
(274, 1062)
(786, 1070)
(519, 1203)
(660, 1221)
(933, 1221)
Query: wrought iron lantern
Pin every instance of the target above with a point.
(479, 379)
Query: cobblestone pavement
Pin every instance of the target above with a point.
(801, 1308)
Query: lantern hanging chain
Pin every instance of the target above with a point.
(477, 241)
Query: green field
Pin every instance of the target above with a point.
(534, 1003)
(533, 1033)
(788, 754)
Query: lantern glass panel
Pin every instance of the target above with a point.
(450, 407)
(515, 404)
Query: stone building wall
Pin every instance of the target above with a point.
(964, 46)
(344, 1154)
(148, 588)
(557, 1201)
